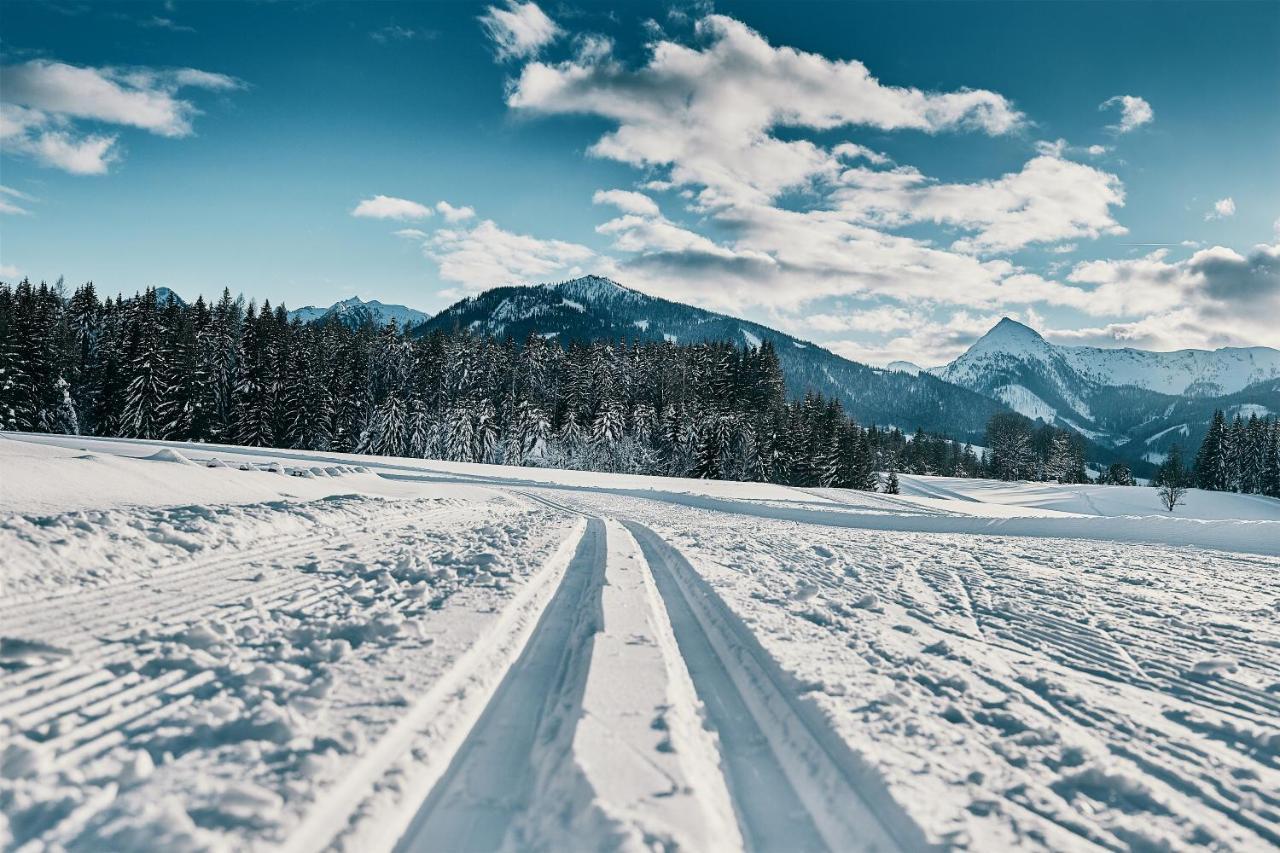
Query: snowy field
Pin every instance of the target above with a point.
(308, 651)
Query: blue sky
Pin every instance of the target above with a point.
(885, 178)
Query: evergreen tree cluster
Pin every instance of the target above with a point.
(1019, 450)
(1240, 456)
(227, 372)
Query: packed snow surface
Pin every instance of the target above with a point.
(218, 648)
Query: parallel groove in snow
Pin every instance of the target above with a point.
(490, 779)
(797, 785)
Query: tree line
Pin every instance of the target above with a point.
(237, 373)
(230, 372)
(1242, 456)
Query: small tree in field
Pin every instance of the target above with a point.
(1171, 494)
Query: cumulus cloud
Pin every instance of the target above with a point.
(519, 30)
(390, 207)
(791, 224)
(703, 120)
(454, 214)
(707, 112)
(919, 337)
(1216, 297)
(1223, 208)
(487, 256)
(43, 103)
(1134, 112)
(627, 201)
(1048, 200)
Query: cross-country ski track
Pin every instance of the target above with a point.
(420, 656)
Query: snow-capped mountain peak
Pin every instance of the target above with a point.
(1111, 395)
(354, 311)
(1010, 337)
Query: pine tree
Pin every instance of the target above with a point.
(1211, 463)
(143, 415)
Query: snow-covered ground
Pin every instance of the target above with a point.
(403, 654)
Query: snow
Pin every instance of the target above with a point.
(355, 310)
(1087, 499)
(642, 325)
(908, 367)
(1192, 372)
(752, 340)
(431, 655)
(1023, 401)
(1183, 429)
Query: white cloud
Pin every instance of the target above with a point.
(1217, 297)
(924, 340)
(9, 198)
(86, 155)
(707, 112)
(519, 30)
(1048, 200)
(703, 117)
(9, 272)
(627, 201)
(140, 98)
(486, 256)
(43, 101)
(389, 207)
(1134, 112)
(1223, 208)
(454, 214)
(411, 233)
(853, 151)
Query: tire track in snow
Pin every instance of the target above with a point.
(491, 779)
(795, 784)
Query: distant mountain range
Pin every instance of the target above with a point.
(1131, 403)
(355, 312)
(1134, 399)
(593, 308)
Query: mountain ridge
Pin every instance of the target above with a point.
(596, 308)
(356, 312)
(1137, 401)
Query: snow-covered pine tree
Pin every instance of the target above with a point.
(1211, 463)
(252, 412)
(147, 389)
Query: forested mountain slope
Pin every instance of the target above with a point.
(593, 308)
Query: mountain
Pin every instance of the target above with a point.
(355, 312)
(1117, 397)
(164, 294)
(594, 308)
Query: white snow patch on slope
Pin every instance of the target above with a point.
(1023, 401)
(1183, 429)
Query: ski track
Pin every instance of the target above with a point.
(178, 674)
(552, 668)
(1093, 718)
(492, 781)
